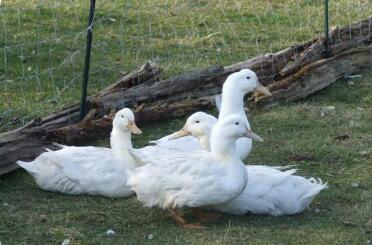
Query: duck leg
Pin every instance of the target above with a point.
(205, 217)
(178, 218)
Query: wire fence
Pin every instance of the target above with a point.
(42, 43)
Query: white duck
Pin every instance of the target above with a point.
(236, 86)
(268, 190)
(89, 170)
(198, 178)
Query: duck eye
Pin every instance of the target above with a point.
(236, 123)
(248, 77)
(197, 121)
(122, 116)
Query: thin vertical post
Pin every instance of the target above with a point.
(326, 29)
(87, 60)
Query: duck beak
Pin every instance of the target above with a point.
(133, 128)
(179, 134)
(252, 135)
(262, 89)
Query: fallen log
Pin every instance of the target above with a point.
(291, 74)
(318, 75)
(29, 141)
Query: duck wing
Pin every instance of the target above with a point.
(274, 192)
(86, 166)
(150, 154)
(187, 143)
(181, 179)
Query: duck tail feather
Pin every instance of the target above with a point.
(317, 186)
(28, 166)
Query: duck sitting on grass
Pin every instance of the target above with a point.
(195, 179)
(269, 190)
(89, 170)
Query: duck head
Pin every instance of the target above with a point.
(234, 127)
(245, 81)
(198, 125)
(124, 120)
(226, 132)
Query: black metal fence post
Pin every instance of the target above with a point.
(87, 60)
(326, 29)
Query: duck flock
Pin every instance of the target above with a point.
(198, 168)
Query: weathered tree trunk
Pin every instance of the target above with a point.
(27, 142)
(291, 74)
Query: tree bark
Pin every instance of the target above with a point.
(290, 75)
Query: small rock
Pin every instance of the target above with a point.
(66, 242)
(328, 108)
(360, 108)
(43, 218)
(149, 236)
(5, 204)
(350, 83)
(110, 232)
(369, 242)
(317, 210)
(355, 184)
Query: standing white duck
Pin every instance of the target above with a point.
(198, 178)
(236, 86)
(268, 190)
(89, 170)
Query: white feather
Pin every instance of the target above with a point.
(192, 179)
(88, 170)
(273, 190)
(231, 102)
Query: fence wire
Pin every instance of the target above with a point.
(42, 43)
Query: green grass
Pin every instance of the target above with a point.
(341, 214)
(41, 57)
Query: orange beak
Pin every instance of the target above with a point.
(133, 128)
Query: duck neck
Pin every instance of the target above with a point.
(232, 101)
(120, 142)
(223, 149)
(204, 142)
